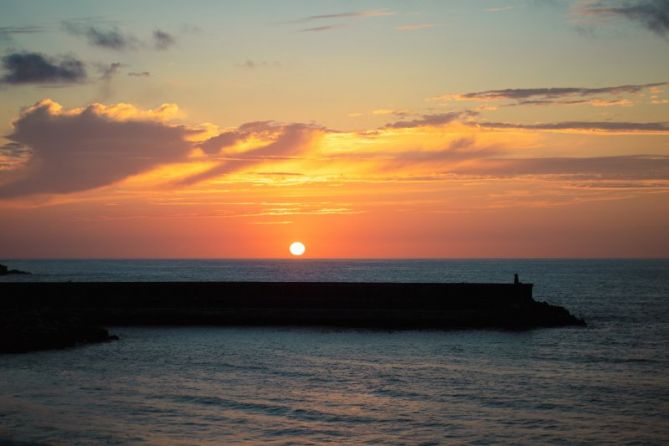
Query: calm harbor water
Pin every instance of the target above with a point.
(604, 384)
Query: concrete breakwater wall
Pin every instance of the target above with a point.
(356, 305)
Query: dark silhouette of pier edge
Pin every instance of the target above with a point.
(332, 304)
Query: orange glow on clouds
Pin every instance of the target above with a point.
(413, 189)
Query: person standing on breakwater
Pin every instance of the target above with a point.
(516, 281)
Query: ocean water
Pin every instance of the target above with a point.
(604, 384)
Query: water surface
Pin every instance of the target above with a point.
(605, 384)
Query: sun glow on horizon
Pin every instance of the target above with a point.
(297, 248)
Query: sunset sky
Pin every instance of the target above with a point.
(364, 129)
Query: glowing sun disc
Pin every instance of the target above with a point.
(297, 248)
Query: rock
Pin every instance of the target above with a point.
(4, 271)
(30, 330)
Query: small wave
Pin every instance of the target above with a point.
(267, 408)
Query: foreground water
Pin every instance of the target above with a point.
(605, 384)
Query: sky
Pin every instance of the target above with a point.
(364, 129)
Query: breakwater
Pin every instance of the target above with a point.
(355, 305)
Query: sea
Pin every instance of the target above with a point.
(605, 384)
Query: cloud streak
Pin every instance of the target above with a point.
(345, 15)
(36, 68)
(339, 16)
(456, 151)
(499, 9)
(30, 29)
(289, 141)
(632, 167)
(12, 155)
(591, 102)
(550, 93)
(597, 126)
(470, 157)
(6, 32)
(315, 29)
(433, 120)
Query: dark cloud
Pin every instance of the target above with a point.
(526, 93)
(252, 64)
(433, 120)
(103, 34)
(594, 102)
(605, 126)
(76, 151)
(288, 141)
(110, 38)
(108, 72)
(162, 40)
(111, 70)
(632, 167)
(651, 14)
(36, 68)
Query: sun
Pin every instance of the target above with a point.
(297, 248)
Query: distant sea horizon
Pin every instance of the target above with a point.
(305, 268)
(338, 258)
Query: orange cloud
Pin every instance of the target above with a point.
(288, 141)
(78, 149)
(53, 150)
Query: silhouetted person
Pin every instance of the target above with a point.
(516, 281)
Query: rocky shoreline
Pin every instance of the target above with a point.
(24, 331)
